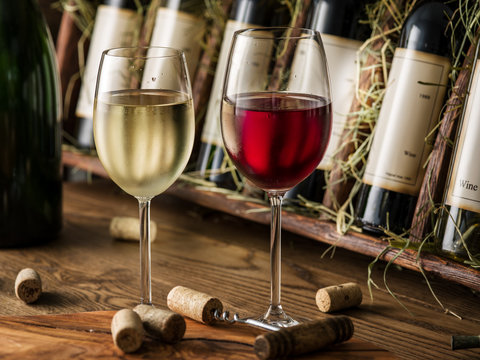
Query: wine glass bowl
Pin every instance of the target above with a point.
(276, 140)
(143, 128)
(143, 138)
(276, 121)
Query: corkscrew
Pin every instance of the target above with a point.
(225, 317)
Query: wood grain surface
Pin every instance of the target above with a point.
(85, 270)
(325, 231)
(87, 335)
(311, 227)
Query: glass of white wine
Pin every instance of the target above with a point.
(144, 129)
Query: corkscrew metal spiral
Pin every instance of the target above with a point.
(225, 317)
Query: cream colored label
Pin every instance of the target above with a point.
(307, 68)
(211, 129)
(464, 187)
(342, 62)
(114, 27)
(249, 64)
(181, 31)
(411, 108)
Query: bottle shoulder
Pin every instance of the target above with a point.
(260, 12)
(426, 29)
(339, 18)
(125, 4)
(196, 7)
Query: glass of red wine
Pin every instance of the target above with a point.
(276, 122)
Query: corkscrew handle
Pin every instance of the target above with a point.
(465, 342)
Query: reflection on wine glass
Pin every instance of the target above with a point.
(143, 128)
(276, 121)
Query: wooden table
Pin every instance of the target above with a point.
(86, 272)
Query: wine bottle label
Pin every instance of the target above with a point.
(342, 62)
(464, 185)
(114, 27)
(211, 129)
(249, 64)
(179, 30)
(411, 108)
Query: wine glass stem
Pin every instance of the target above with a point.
(145, 252)
(275, 248)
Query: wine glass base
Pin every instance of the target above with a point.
(276, 316)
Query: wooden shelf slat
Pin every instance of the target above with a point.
(310, 227)
(84, 162)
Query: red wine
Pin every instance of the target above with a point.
(410, 109)
(276, 139)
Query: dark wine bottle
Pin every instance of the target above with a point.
(411, 107)
(180, 24)
(342, 35)
(458, 229)
(30, 128)
(244, 14)
(116, 24)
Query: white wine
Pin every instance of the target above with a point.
(144, 138)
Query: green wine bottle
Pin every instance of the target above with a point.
(30, 128)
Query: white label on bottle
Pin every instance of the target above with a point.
(249, 64)
(211, 129)
(114, 27)
(307, 69)
(411, 108)
(181, 31)
(342, 62)
(464, 187)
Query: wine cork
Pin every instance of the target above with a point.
(338, 297)
(164, 325)
(127, 330)
(128, 228)
(193, 304)
(28, 285)
(303, 338)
